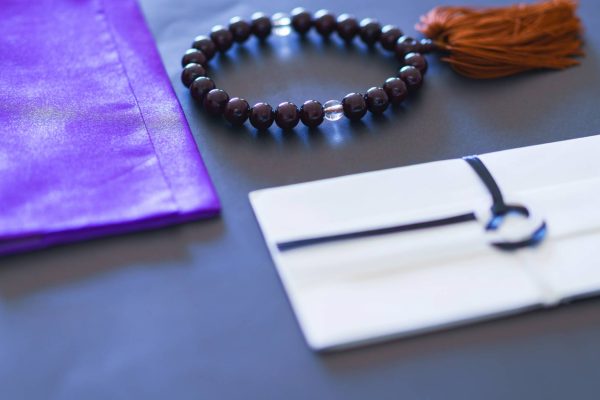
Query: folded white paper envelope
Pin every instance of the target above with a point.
(361, 290)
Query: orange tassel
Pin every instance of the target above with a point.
(502, 41)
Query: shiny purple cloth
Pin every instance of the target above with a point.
(92, 139)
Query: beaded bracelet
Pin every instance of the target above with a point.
(286, 115)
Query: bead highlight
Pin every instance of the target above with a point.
(282, 24)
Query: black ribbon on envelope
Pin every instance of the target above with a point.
(500, 211)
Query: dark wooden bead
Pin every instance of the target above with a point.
(261, 25)
(301, 20)
(262, 116)
(325, 22)
(355, 106)
(389, 36)
(396, 90)
(222, 38)
(370, 31)
(236, 111)
(191, 72)
(240, 29)
(287, 115)
(377, 100)
(200, 86)
(411, 76)
(193, 56)
(347, 27)
(416, 60)
(205, 45)
(405, 45)
(215, 101)
(426, 45)
(312, 113)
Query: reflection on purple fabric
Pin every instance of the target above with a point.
(92, 139)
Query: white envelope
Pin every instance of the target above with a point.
(349, 292)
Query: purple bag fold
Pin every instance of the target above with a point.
(92, 138)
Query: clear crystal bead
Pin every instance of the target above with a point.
(282, 24)
(333, 110)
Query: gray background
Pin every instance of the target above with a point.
(197, 311)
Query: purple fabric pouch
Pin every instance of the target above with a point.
(92, 138)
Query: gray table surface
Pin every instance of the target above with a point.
(198, 312)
